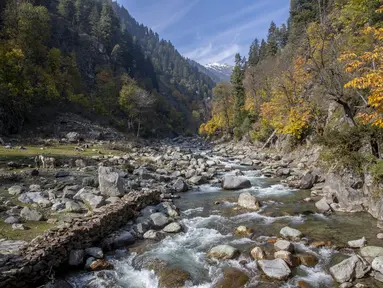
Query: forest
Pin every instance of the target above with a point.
(92, 56)
(317, 79)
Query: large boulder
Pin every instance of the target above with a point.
(248, 201)
(223, 252)
(95, 252)
(307, 182)
(159, 220)
(370, 252)
(76, 257)
(73, 137)
(349, 269)
(120, 240)
(174, 227)
(92, 201)
(235, 183)
(30, 214)
(198, 180)
(322, 205)
(275, 269)
(110, 182)
(290, 233)
(233, 277)
(34, 197)
(180, 185)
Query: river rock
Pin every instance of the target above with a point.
(168, 208)
(285, 256)
(30, 214)
(371, 251)
(120, 240)
(257, 253)
(379, 236)
(233, 277)
(322, 205)
(95, 252)
(235, 183)
(15, 190)
(34, 197)
(198, 180)
(58, 283)
(110, 182)
(242, 231)
(308, 260)
(283, 245)
(223, 252)
(357, 243)
(154, 235)
(307, 182)
(12, 220)
(291, 233)
(159, 219)
(180, 185)
(275, 269)
(99, 264)
(377, 264)
(174, 227)
(19, 227)
(76, 257)
(347, 270)
(169, 277)
(248, 201)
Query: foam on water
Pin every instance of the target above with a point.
(267, 220)
(193, 210)
(207, 188)
(274, 190)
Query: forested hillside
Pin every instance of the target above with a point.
(92, 56)
(316, 79)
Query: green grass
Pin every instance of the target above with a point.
(36, 229)
(57, 151)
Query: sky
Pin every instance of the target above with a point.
(209, 31)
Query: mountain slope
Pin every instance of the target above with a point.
(221, 71)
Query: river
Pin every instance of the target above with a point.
(210, 215)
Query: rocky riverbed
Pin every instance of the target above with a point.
(243, 219)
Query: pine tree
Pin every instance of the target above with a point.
(254, 53)
(263, 50)
(94, 19)
(109, 25)
(67, 9)
(238, 90)
(272, 40)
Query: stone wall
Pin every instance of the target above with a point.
(50, 251)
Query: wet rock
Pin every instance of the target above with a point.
(154, 235)
(235, 183)
(275, 269)
(283, 245)
(169, 277)
(308, 260)
(110, 182)
(290, 233)
(286, 256)
(58, 283)
(76, 257)
(349, 269)
(12, 220)
(174, 227)
(248, 201)
(357, 243)
(180, 185)
(99, 264)
(19, 227)
(95, 252)
(303, 284)
(168, 208)
(243, 231)
(15, 190)
(30, 214)
(233, 277)
(257, 253)
(159, 219)
(223, 252)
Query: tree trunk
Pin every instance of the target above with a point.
(139, 126)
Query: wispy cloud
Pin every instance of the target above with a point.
(175, 17)
(227, 43)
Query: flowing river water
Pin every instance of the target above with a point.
(209, 216)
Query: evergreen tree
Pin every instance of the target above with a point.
(272, 40)
(263, 50)
(254, 53)
(67, 9)
(283, 35)
(108, 27)
(238, 90)
(94, 19)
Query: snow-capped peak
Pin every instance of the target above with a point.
(217, 65)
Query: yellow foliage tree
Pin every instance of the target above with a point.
(369, 66)
(288, 112)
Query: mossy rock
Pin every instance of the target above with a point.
(233, 278)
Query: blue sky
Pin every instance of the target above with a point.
(209, 31)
